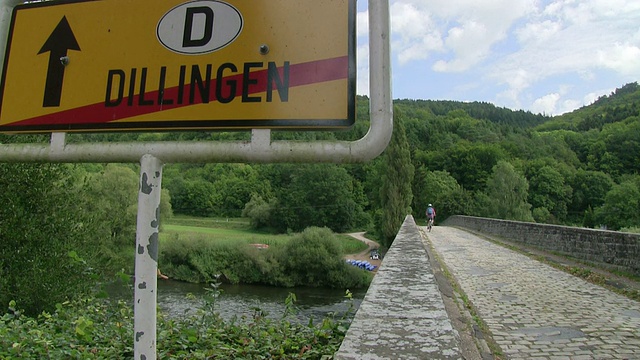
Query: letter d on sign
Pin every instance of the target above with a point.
(206, 28)
(197, 21)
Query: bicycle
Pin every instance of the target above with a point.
(429, 224)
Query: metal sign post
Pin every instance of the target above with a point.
(146, 269)
(152, 155)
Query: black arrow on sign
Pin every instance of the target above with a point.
(60, 40)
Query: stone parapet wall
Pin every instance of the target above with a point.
(403, 315)
(612, 249)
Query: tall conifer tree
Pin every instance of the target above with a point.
(395, 193)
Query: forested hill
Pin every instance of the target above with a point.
(474, 158)
(478, 110)
(579, 168)
(620, 105)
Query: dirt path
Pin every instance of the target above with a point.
(365, 255)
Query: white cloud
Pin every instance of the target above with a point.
(463, 31)
(589, 11)
(554, 104)
(414, 34)
(464, 41)
(568, 106)
(546, 104)
(622, 58)
(537, 32)
(517, 79)
(507, 48)
(362, 53)
(574, 37)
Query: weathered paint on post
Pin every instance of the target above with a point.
(145, 291)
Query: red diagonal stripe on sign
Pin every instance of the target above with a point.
(299, 74)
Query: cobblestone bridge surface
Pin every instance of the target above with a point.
(534, 311)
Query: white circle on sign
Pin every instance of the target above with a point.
(199, 27)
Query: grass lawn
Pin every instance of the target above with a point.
(223, 230)
(222, 234)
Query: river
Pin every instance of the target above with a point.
(239, 300)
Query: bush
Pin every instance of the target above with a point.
(541, 215)
(82, 329)
(311, 258)
(258, 211)
(199, 260)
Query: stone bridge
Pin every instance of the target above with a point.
(458, 292)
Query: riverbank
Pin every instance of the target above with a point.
(365, 255)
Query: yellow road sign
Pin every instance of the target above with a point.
(165, 64)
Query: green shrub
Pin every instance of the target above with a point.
(82, 329)
(272, 268)
(258, 211)
(311, 258)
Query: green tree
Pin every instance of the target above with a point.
(320, 195)
(234, 186)
(371, 181)
(110, 200)
(214, 189)
(590, 189)
(43, 236)
(313, 258)
(193, 197)
(622, 140)
(621, 206)
(507, 193)
(469, 164)
(258, 211)
(549, 193)
(395, 190)
(443, 191)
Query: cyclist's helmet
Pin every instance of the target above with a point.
(430, 205)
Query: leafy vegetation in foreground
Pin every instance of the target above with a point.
(96, 329)
(311, 258)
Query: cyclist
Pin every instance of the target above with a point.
(431, 215)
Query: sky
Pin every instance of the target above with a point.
(543, 56)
